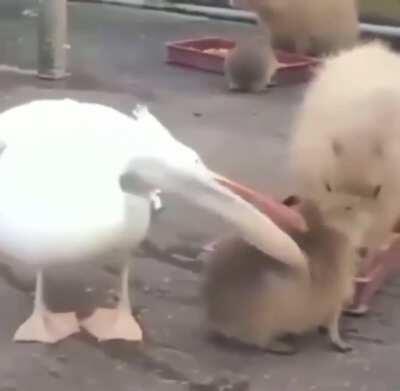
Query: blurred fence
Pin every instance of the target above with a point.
(21, 15)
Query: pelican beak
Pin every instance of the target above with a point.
(283, 216)
(220, 195)
(219, 177)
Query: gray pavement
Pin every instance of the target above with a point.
(117, 57)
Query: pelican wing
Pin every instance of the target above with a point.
(59, 190)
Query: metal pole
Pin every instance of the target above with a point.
(52, 39)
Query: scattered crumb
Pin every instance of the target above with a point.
(29, 13)
(54, 372)
(62, 358)
(218, 52)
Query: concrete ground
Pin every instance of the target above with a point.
(117, 57)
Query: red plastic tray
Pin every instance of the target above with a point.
(377, 268)
(190, 53)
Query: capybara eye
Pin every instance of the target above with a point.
(362, 252)
(377, 190)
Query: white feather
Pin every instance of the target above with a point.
(60, 197)
(59, 191)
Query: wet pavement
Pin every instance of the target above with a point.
(117, 58)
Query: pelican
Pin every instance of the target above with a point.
(77, 180)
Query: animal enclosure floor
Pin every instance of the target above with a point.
(117, 58)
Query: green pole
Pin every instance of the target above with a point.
(52, 39)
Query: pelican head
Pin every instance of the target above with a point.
(173, 167)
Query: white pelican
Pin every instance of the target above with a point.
(76, 180)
